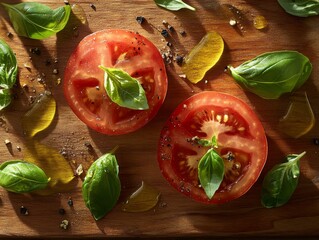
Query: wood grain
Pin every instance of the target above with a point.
(179, 216)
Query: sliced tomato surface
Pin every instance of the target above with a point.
(84, 80)
(241, 139)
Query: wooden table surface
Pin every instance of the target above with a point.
(175, 215)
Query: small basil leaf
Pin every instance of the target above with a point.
(173, 5)
(281, 181)
(8, 66)
(37, 21)
(202, 142)
(211, 172)
(272, 74)
(22, 177)
(214, 141)
(5, 98)
(101, 187)
(123, 89)
(300, 8)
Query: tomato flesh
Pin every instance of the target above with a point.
(84, 80)
(241, 141)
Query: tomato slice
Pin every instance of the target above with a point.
(242, 144)
(84, 80)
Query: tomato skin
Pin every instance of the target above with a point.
(84, 80)
(176, 153)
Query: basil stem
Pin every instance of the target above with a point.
(22, 177)
(37, 21)
(300, 8)
(272, 74)
(281, 181)
(8, 73)
(211, 172)
(101, 187)
(123, 89)
(173, 5)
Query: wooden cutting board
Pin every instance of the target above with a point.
(175, 215)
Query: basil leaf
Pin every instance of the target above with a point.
(281, 181)
(22, 177)
(5, 98)
(272, 74)
(123, 89)
(8, 73)
(101, 187)
(37, 21)
(211, 172)
(173, 5)
(300, 8)
(8, 66)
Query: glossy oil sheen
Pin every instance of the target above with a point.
(203, 57)
(143, 199)
(36, 120)
(299, 118)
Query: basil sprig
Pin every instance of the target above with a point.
(101, 187)
(22, 177)
(281, 181)
(36, 20)
(123, 89)
(8, 73)
(272, 74)
(300, 8)
(211, 167)
(173, 5)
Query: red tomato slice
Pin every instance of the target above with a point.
(241, 141)
(84, 80)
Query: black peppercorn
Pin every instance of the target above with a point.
(140, 19)
(35, 50)
(93, 6)
(171, 28)
(61, 211)
(164, 33)
(70, 202)
(179, 60)
(24, 210)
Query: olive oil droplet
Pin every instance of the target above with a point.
(53, 164)
(203, 57)
(260, 22)
(299, 118)
(142, 200)
(79, 13)
(40, 116)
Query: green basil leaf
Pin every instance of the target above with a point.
(8, 66)
(281, 181)
(22, 177)
(36, 20)
(5, 98)
(173, 5)
(101, 187)
(8, 73)
(300, 8)
(211, 172)
(123, 89)
(272, 74)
